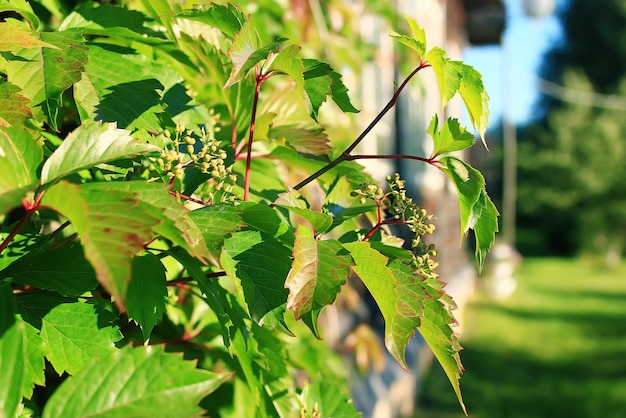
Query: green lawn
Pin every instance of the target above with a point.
(555, 348)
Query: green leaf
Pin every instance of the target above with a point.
(288, 62)
(436, 328)
(320, 81)
(448, 76)
(261, 263)
(174, 223)
(60, 269)
(23, 8)
(476, 209)
(20, 156)
(74, 333)
(327, 399)
(147, 291)
(34, 361)
(452, 136)
(132, 382)
(44, 74)
(15, 108)
(112, 229)
(397, 293)
(89, 145)
(305, 140)
(318, 271)
(295, 203)
(12, 349)
(265, 219)
(418, 42)
(227, 18)
(216, 222)
(246, 51)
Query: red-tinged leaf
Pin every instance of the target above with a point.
(91, 144)
(15, 34)
(112, 229)
(313, 141)
(15, 108)
(318, 271)
(295, 203)
(45, 73)
(132, 382)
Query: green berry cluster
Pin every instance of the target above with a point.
(202, 151)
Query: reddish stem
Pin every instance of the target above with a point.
(430, 160)
(346, 154)
(190, 199)
(260, 79)
(30, 208)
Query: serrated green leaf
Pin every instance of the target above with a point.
(146, 293)
(227, 18)
(91, 144)
(412, 43)
(15, 34)
(20, 156)
(261, 263)
(33, 306)
(476, 99)
(313, 141)
(12, 349)
(15, 108)
(141, 381)
(93, 18)
(74, 333)
(44, 74)
(436, 329)
(328, 399)
(216, 222)
(263, 218)
(448, 76)
(174, 221)
(318, 271)
(34, 361)
(112, 229)
(288, 62)
(396, 293)
(320, 80)
(23, 8)
(476, 209)
(452, 136)
(246, 51)
(61, 269)
(295, 203)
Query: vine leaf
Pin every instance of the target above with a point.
(74, 333)
(436, 328)
(216, 222)
(261, 263)
(295, 203)
(91, 144)
(395, 290)
(146, 293)
(417, 42)
(34, 361)
(328, 400)
(318, 271)
(452, 136)
(12, 350)
(112, 228)
(60, 269)
(45, 73)
(477, 211)
(288, 62)
(313, 141)
(246, 51)
(14, 34)
(141, 381)
(20, 157)
(320, 80)
(15, 108)
(227, 18)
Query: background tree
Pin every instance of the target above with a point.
(571, 190)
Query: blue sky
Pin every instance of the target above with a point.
(524, 42)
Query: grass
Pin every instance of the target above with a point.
(555, 348)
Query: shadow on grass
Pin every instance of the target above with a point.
(587, 379)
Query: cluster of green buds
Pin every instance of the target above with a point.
(368, 191)
(203, 152)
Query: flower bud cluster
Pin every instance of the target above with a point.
(368, 191)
